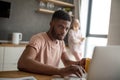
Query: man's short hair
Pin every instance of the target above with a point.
(60, 14)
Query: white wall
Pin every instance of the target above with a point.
(77, 8)
(114, 29)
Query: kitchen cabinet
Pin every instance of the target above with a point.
(9, 56)
(57, 4)
(1, 58)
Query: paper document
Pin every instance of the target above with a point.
(68, 78)
(71, 77)
(21, 78)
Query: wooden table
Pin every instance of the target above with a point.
(18, 74)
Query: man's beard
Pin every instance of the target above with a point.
(55, 35)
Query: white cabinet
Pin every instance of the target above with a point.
(1, 58)
(9, 57)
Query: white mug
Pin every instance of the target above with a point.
(16, 37)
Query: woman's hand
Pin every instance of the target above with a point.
(82, 39)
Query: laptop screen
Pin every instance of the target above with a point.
(105, 63)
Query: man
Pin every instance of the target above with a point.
(44, 51)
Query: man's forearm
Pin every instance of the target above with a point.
(70, 62)
(33, 66)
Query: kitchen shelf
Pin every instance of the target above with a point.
(61, 3)
(45, 10)
(58, 3)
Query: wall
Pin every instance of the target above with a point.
(114, 29)
(77, 8)
(24, 19)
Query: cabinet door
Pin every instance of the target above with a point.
(11, 57)
(1, 57)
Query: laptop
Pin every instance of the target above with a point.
(105, 63)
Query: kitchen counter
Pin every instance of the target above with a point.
(18, 74)
(13, 45)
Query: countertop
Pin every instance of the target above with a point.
(13, 45)
(18, 74)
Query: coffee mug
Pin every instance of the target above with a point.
(16, 37)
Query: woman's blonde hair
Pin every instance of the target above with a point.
(75, 22)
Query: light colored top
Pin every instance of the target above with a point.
(74, 40)
(48, 51)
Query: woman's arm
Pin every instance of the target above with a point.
(66, 61)
(73, 38)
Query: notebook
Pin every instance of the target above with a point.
(105, 63)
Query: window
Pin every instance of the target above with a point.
(100, 14)
(97, 24)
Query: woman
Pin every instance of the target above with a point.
(75, 39)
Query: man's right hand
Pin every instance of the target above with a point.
(72, 69)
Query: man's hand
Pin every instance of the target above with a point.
(85, 62)
(72, 69)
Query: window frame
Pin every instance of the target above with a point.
(88, 23)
